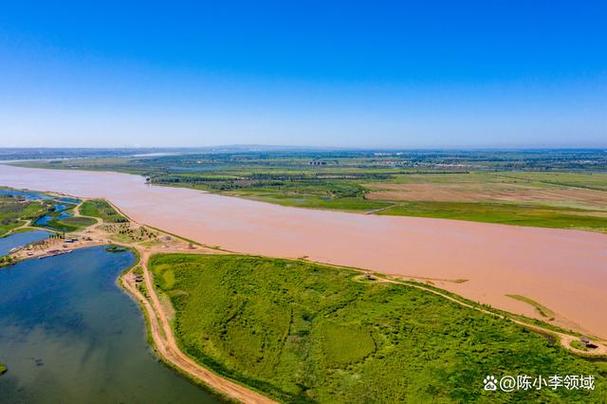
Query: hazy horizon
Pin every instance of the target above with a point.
(440, 75)
(277, 147)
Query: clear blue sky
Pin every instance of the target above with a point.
(326, 73)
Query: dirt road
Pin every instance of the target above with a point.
(166, 346)
(162, 333)
(560, 269)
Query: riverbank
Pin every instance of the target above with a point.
(562, 270)
(167, 348)
(299, 330)
(70, 334)
(127, 235)
(141, 287)
(160, 317)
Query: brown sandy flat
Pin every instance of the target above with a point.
(496, 192)
(563, 270)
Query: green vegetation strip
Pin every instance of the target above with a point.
(14, 212)
(69, 224)
(504, 213)
(115, 249)
(541, 309)
(101, 209)
(543, 188)
(300, 331)
(579, 345)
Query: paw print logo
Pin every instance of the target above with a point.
(490, 383)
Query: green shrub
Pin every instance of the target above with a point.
(306, 332)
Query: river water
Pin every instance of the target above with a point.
(68, 333)
(20, 239)
(564, 270)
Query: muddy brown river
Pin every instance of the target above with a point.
(564, 270)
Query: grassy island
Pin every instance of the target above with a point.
(15, 212)
(69, 224)
(299, 331)
(101, 209)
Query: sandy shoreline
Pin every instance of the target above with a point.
(141, 288)
(159, 327)
(166, 346)
(563, 270)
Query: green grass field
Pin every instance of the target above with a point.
(595, 181)
(313, 201)
(14, 213)
(305, 332)
(556, 189)
(70, 224)
(504, 213)
(101, 209)
(534, 199)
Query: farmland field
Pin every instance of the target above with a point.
(306, 332)
(101, 209)
(74, 223)
(545, 188)
(14, 213)
(63, 221)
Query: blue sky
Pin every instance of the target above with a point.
(355, 74)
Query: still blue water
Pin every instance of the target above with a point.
(29, 195)
(20, 239)
(60, 213)
(68, 334)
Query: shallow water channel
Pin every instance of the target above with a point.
(69, 334)
(16, 240)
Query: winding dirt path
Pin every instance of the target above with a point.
(162, 332)
(565, 339)
(160, 328)
(167, 348)
(560, 269)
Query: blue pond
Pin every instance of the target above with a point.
(29, 195)
(59, 213)
(69, 334)
(20, 239)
